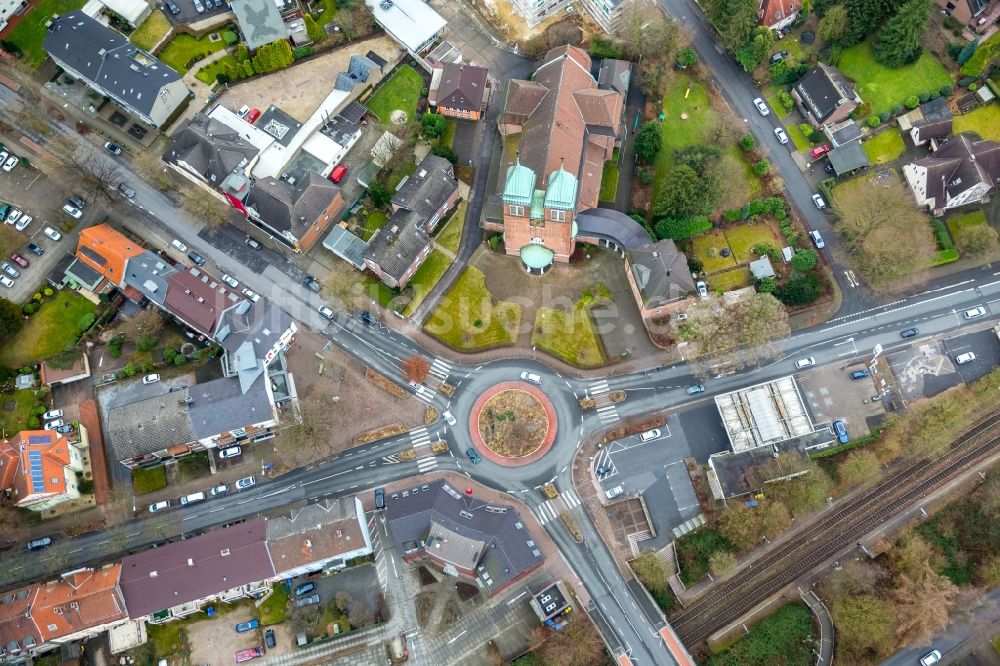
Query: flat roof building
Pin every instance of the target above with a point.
(763, 414)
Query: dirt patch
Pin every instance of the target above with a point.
(513, 423)
(424, 603)
(452, 614)
(426, 577)
(385, 384)
(466, 591)
(215, 642)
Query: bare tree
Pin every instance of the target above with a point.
(12, 570)
(922, 606)
(646, 34)
(415, 368)
(164, 525)
(342, 600)
(356, 23)
(118, 536)
(316, 419)
(154, 170)
(360, 613)
(578, 644)
(205, 207)
(59, 554)
(84, 168)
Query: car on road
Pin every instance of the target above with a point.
(13, 216)
(52, 425)
(220, 489)
(252, 244)
(615, 492)
(307, 601)
(379, 499)
(650, 434)
(126, 191)
(326, 312)
(52, 233)
(52, 414)
(159, 506)
(819, 151)
(908, 333)
(252, 116)
(10, 270)
(269, 639)
(473, 456)
(762, 107)
(6, 281)
(244, 627)
(778, 56)
(367, 317)
(77, 201)
(245, 482)
(818, 201)
(531, 377)
(10, 163)
(196, 258)
(931, 658)
(450, 418)
(23, 223)
(19, 260)
(35, 249)
(305, 588)
(817, 239)
(230, 452)
(695, 389)
(702, 288)
(840, 430)
(230, 280)
(312, 284)
(780, 133)
(72, 211)
(338, 173)
(805, 362)
(251, 295)
(967, 357)
(38, 544)
(860, 374)
(112, 148)
(977, 311)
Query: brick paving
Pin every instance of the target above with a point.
(509, 461)
(98, 463)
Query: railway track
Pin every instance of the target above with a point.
(832, 532)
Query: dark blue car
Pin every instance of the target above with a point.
(860, 374)
(247, 626)
(840, 430)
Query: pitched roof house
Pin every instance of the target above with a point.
(459, 90)
(659, 276)
(931, 121)
(777, 14)
(825, 96)
(300, 213)
(106, 251)
(963, 171)
(966, 12)
(321, 536)
(114, 67)
(38, 469)
(210, 150)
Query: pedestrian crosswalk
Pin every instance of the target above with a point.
(425, 465)
(550, 509)
(440, 369)
(419, 437)
(426, 394)
(608, 414)
(599, 388)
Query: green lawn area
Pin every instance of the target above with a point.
(379, 291)
(786, 637)
(375, 221)
(884, 146)
(401, 172)
(609, 180)
(168, 638)
(569, 336)
(885, 88)
(730, 280)
(450, 235)
(448, 138)
(468, 318)
(401, 91)
(777, 107)
(179, 50)
(679, 133)
(30, 32)
(16, 418)
(52, 329)
(973, 219)
(329, 10)
(984, 121)
(426, 277)
(152, 30)
(149, 479)
(743, 237)
(798, 138)
(274, 609)
(714, 240)
(207, 73)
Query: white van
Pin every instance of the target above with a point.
(192, 498)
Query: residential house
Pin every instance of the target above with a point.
(38, 469)
(929, 122)
(133, 12)
(825, 96)
(777, 14)
(564, 126)
(106, 251)
(465, 536)
(333, 141)
(10, 8)
(421, 201)
(603, 12)
(65, 369)
(114, 67)
(179, 578)
(459, 91)
(660, 279)
(615, 75)
(963, 171)
(296, 213)
(318, 537)
(967, 12)
(412, 23)
(260, 21)
(207, 150)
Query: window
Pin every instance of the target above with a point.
(538, 241)
(559, 215)
(516, 211)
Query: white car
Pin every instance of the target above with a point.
(23, 223)
(761, 106)
(650, 434)
(13, 216)
(931, 658)
(52, 425)
(244, 110)
(231, 452)
(179, 246)
(450, 418)
(52, 233)
(159, 506)
(978, 311)
(73, 211)
(231, 281)
(10, 163)
(6, 281)
(245, 482)
(818, 202)
(615, 492)
(52, 414)
(805, 362)
(702, 289)
(251, 294)
(326, 312)
(780, 133)
(531, 377)
(150, 379)
(965, 358)
(817, 239)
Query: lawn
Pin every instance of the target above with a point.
(329, 10)
(783, 638)
(426, 277)
(884, 146)
(379, 291)
(984, 121)
(730, 280)
(167, 638)
(152, 30)
(679, 133)
(742, 238)
(973, 219)
(17, 417)
(207, 73)
(274, 609)
(149, 479)
(182, 48)
(569, 336)
(49, 331)
(30, 32)
(468, 318)
(885, 88)
(449, 236)
(448, 137)
(802, 144)
(376, 220)
(609, 178)
(707, 247)
(401, 91)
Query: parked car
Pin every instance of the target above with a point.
(6, 281)
(151, 379)
(159, 506)
(230, 280)
(220, 489)
(978, 311)
(253, 244)
(200, 8)
(311, 284)
(780, 133)
(251, 295)
(230, 452)
(367, 317)
(761, 106)
(307, 601)
(702, 288)
(126, 191)
(77, 201)
(73, 211)
(179, 246)
(52, 414)
(840, 430)
(172, 6)
(196, 258)
(828, 168)
(52, 425)
(23, 223)
(696, 389)
(35, 249)
(65, 428)
(244, 110)
(819, 151)
(253, 116)
(450, 418)
(269, 639)
(818, 201)
(531, 377)
(817, 239)
(19, 260)
(3, 156)
(379, 499)
(245, 482)
(10, 270)
(326, 312)
(244, 627)
(473, 456)
(650, 434)
(305, 588)
(13, 216)
(52, 233)
(805, 362)
(38, 544)
(930, 658)
(112, 148)
(967, 357)
(192, 498)
(908, 333)
(5, 209)
(248, 654)
(10, 163)
(615, 492)
(338, 173)
(778, 56)
(860, 374)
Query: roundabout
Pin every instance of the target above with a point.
(512, 423)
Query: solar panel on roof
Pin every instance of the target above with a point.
(35, 469)
(39, 439)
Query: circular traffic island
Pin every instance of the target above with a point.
(513, 424)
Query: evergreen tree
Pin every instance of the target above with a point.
(314, 30)
(247, 67)
(735, 20)
(864, 17)
(831, 26)
(283, 54)
(898, 41)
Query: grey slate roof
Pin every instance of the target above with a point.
(211, 148)
(960, 164)
(428, 188)
(612, 225)
(823, 89)
(937, 119)
(844, 133)
(292, 208)
(221, 405)
(397, 244)
(81, 272)
(478, 533)
(355, 112)
(260, 21)
(247, 332)
(848, 158)
(661, 273)
(149, 274)
(107, 59)
(462, 86)
(340, 129)
(614, 75)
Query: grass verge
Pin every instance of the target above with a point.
(426, 277)
(786, 638)
(469, 319)
(274, 609)
(973, 219)
(54, 328)
(450, 235)
(149, 479)
(569, 336)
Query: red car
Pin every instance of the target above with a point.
(19, 260)
(338, 173)
(253, 116)
(820, 151)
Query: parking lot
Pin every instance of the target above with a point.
(831, 394)
(189, 13)
(928, 368)
(215, 640)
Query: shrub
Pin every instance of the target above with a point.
(946, 90)
(646, 176)
(34, 423)
(874, 121)
(30, 308)
(146, 344)
(807, 130)
(48, 291)
(86, 486)
(695, 265)
(883, 117)
(912, 102)
(747, 142)
(941, 234)
(761, 168)
(786, 100)
(180, 359)
(37, 296)
(677, 229)
(38, 410)
(896, 110)
(302, 52)
(934, 94)
(433, 124)
(230, 37)
(973, 87)
(86, 321)
(767, 285)
(445, 152)
(800, 289)
(923, 97)
(804, 260)
(602, 47)
(222, 78)
(115, 346)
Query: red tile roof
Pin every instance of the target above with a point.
(52, 450)
(106, 250)
(772, 12)
(81, 601)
